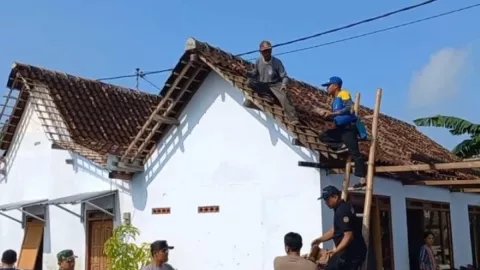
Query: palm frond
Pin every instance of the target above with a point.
(457, 126)
(468, 148)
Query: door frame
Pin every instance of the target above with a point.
(419, 204)
(91, 216)
(379, 203)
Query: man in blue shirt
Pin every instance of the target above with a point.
(346, 131)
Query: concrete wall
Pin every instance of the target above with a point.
(221, 154)
(35, 171)
(398, 193)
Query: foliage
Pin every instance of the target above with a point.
(457, 126)
(123, 253)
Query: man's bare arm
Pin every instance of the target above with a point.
(347, 238)
(328, 235)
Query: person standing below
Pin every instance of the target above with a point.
(293, 260)
(66, 259)
(427, 257)
(269, 76)
(159, 250)
(350, 248)
(9, 258)
(346, 130)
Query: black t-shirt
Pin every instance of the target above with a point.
(345, 220)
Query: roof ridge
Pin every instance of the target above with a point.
(17, 65)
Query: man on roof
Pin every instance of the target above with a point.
(347, 127)
(269, 76)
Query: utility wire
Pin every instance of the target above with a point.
(298, 39)
(377, 31)
(346, 26)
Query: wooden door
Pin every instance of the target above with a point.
(31, 245)
(99, 232)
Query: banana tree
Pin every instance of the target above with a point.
(468, 148)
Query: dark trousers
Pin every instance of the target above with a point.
(342, 262)
(283, 98)
(347, 135)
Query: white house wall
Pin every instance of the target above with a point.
(35, 171)
(221, 154)
(398, 193)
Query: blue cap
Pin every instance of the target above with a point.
(334, 80)
(329, 191)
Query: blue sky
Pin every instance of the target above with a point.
(107, 38)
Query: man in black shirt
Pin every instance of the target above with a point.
(350, 249)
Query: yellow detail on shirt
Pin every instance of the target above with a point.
(344, 94)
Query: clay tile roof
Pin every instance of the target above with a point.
(399, 143)
(98, 118)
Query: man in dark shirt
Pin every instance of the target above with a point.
(9, 258)
(269, 76)
(350, 249)
(159, 250)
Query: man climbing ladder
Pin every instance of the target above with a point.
(348, 128)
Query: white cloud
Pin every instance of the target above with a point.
(438, 79)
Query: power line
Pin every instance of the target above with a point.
(378, 31)
(347, 26)
(298, 39)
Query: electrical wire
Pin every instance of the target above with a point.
(298, 39)
(377, 31)
(346, 26)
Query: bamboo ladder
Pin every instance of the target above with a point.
(369, 187)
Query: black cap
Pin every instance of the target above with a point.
(160, 245)
(9, 256)
(329, 191)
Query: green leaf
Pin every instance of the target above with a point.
(468, 148)
(457, 126)
(123, 253)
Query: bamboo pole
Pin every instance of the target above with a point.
(370, 172)
(348, 165)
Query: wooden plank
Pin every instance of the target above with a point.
(156, 111)
(405, 168)
(170, 107)
(166, 120)
(371, 171)
(377, 236)
(444, 182)
(31, 245)
(430, 167)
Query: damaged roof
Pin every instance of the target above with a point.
(103, 119)
(399, 143)
(85, 116)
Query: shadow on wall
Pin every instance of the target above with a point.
(176, 137)
(16, 142)
(82, 164)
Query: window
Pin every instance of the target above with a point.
(31, 245)
(474, 218)
(429, 216)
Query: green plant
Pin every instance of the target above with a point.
(123, 253)
(468, 148)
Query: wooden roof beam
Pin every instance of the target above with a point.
(445, 182)
(405, 168)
